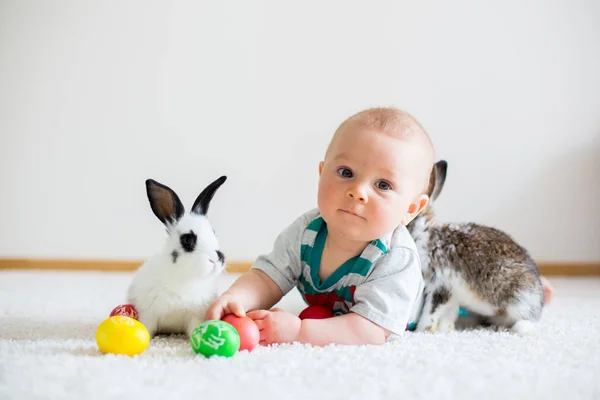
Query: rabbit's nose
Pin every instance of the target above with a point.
(188, 241)
(218, 257)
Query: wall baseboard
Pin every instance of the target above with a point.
(546, 268)
(92, 265)
(569, 268)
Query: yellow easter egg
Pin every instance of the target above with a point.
(122, 335)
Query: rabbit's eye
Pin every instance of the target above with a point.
(188, 241)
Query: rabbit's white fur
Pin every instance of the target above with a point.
(172, 289)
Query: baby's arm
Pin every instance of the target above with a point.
(271, 277)
(252, 290)
(383, 304)
(349, 329)
(277, 326)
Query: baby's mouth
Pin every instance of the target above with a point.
(352, 213)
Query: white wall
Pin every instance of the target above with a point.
(95, 97)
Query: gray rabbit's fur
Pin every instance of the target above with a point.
(476, 267)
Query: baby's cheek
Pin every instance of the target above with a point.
(323, 200)
(388, 216)
(326, 195)
(379, 216)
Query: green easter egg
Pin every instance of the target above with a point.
(215, 338)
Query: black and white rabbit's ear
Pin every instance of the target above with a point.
(437, 179)
(203, 201)
(164, 202)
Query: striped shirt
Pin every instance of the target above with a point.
(383, 284)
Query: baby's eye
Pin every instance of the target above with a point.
(383, 185)
(345, 172)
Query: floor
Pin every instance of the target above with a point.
(48, 351)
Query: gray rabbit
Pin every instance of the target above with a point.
(476, 267)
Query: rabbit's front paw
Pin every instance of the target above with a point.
(433, 328)
(446, 326)
(443, 326)
(427, 324)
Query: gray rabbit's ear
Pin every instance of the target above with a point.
(201, 204)
(437, 179)
(164, 202)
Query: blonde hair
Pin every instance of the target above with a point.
(390, 121)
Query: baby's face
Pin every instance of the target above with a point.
(367, 183)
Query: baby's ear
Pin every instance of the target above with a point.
(415, 208)
(321, 167)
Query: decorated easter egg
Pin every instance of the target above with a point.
(215, 338)
(122, 335)
(127, 310)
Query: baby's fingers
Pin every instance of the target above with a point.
(214, 312)
(260, 324)
(237, 309)
(258, 314)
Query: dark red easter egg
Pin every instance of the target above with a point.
(315, 312)
(126, 310)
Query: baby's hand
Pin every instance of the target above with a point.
(276, 326)
(223, 305)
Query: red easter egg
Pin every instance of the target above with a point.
(126, 310)
(315, 312)
(246, 328)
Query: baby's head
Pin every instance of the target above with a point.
(375, 173)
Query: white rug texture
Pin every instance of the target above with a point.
(48, 351)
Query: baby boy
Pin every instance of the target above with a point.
(353, 253)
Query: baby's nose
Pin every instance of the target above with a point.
(356, 194)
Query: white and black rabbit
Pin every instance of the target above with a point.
(172, 289)
(476, 267)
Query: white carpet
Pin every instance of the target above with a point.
(47, 351)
